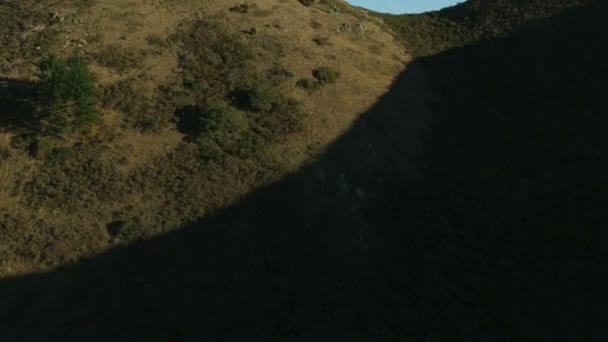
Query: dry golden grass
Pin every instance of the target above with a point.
(368, 63)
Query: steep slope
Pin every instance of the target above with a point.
(494, 230)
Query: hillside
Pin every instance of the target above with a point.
(455, 195)
(470, 22)
(157, 66)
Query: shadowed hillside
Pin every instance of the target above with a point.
(467, 204)
(470, 22)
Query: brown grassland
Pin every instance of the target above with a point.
(150, 59)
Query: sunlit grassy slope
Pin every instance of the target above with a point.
(201, 102)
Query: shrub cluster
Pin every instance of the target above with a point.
(218, 129)
(220, 84)
(325, 75)
(322, 76)
(272, 115)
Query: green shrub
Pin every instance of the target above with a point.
(273, 126)
(260, 98)
(126, 229)
(66, 95)
(278, 74)
(307, 83)
(214, 61)
(321, 40)
(325, 75)
(218, 129)
(307, 2)
(322, 75)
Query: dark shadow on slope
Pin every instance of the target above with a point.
(16, 109)
(188, 119)
(494, 230)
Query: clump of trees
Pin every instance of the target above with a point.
(66, 95)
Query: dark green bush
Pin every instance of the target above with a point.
(325, 75)
(307, 2)
(218, 129)
(321, 40)
(260, 98)
(66, 95)
(126, 229)
(307, 83)
(322, 75)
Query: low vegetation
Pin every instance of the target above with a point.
(121, 59)
(322, 76)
